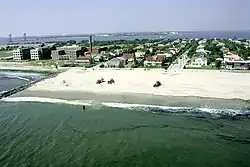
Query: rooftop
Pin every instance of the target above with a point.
(156, 58)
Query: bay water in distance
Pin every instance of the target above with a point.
(59, 133)
(132, 36)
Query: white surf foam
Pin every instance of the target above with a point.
(176, 109)
(22, 78)
(45, 100)
(124, 105)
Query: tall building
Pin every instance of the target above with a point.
(24, 36)
(90, 43)
(10, 37)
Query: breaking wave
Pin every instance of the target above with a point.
(138, 107)
(170, 109)
(45, 100)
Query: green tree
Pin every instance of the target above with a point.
(218, 64)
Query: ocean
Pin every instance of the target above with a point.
(9, 80)
(194, 34)
(56, 133)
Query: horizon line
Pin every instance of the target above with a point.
(96, 33)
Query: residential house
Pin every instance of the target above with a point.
(98, 50)
(224, 50)
(201, 51)
(129, 57)
(237, 65)
(160, 45)
(231, 57)
(220, 44)
(139, 47)
(84, 59)
(151, 50)
(166, 54)
(98, 58)
(200, 47)
(118, 62)
(237, 41)
(198, 62)
(155, 61)
(139, 55)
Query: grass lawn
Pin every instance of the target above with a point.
(60, 63)
(5, 53)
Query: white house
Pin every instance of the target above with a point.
(140, 55)
(201, 51)
(160, 45)
(200, 47)
(198, 62)
(202, 41)
(117, 62)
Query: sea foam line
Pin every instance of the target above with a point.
(126, 105)
(143, 107)
(45, 100)
(169, 109)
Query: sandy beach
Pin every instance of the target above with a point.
(214, 84)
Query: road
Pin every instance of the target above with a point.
(179, 63)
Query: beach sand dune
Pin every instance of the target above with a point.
(186, 83)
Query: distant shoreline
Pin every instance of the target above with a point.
(130, 36)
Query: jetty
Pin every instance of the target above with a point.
(15, 90)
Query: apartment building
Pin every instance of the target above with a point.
(36, 54)
(21, 54)
(68, 53)
(41, 53)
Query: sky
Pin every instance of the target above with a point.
(55, 17)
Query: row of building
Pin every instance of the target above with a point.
(73, 53)
(44, 53)
(32, 54)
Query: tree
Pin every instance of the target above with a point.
(218, 64)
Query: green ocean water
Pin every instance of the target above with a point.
(43, 134)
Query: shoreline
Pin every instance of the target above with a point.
(139, 98)
(186, 88)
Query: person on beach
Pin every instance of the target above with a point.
(83, 108)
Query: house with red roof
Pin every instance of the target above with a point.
(154, 61)
(231, 57)
(128, 56)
